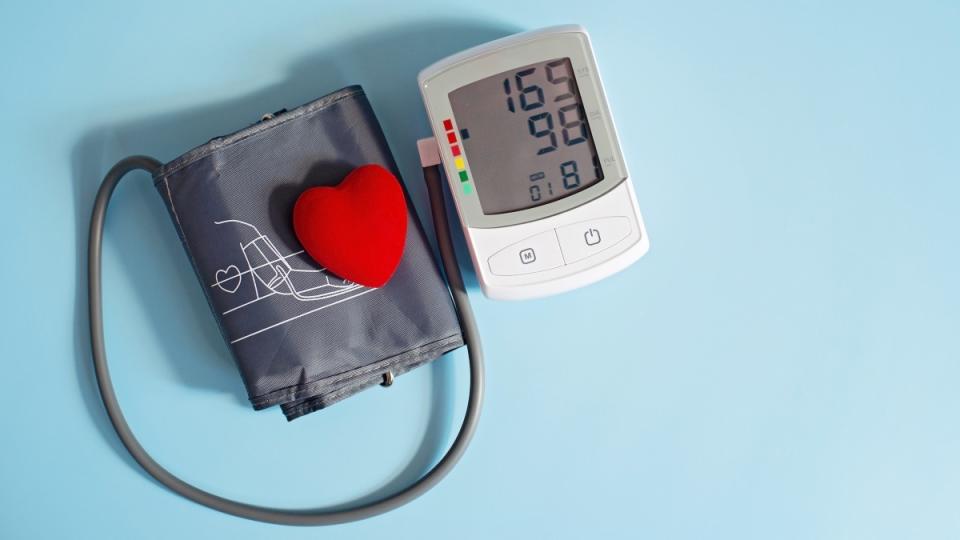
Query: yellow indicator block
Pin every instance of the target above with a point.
(458, 162)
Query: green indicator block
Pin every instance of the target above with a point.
(463, 176)
(467, 189)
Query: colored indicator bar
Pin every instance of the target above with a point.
(458, 162)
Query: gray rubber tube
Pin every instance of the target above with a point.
(318, 516)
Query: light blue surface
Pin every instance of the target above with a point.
(784, 363)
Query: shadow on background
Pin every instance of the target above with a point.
(386, 64)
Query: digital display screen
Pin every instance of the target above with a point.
(525, 136)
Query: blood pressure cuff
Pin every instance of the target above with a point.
(302, 337)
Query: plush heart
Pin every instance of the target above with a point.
(356, 229)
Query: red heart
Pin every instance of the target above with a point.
(356, 229)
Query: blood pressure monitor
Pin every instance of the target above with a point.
(532, 157)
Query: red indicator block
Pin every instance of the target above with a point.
(451, 137)
(447, 125)
(455, 149)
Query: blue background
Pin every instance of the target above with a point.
(784, 363)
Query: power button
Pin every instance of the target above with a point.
(581, 240)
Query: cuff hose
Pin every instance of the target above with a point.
(301, 517)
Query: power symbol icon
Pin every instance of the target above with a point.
(591, 237)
